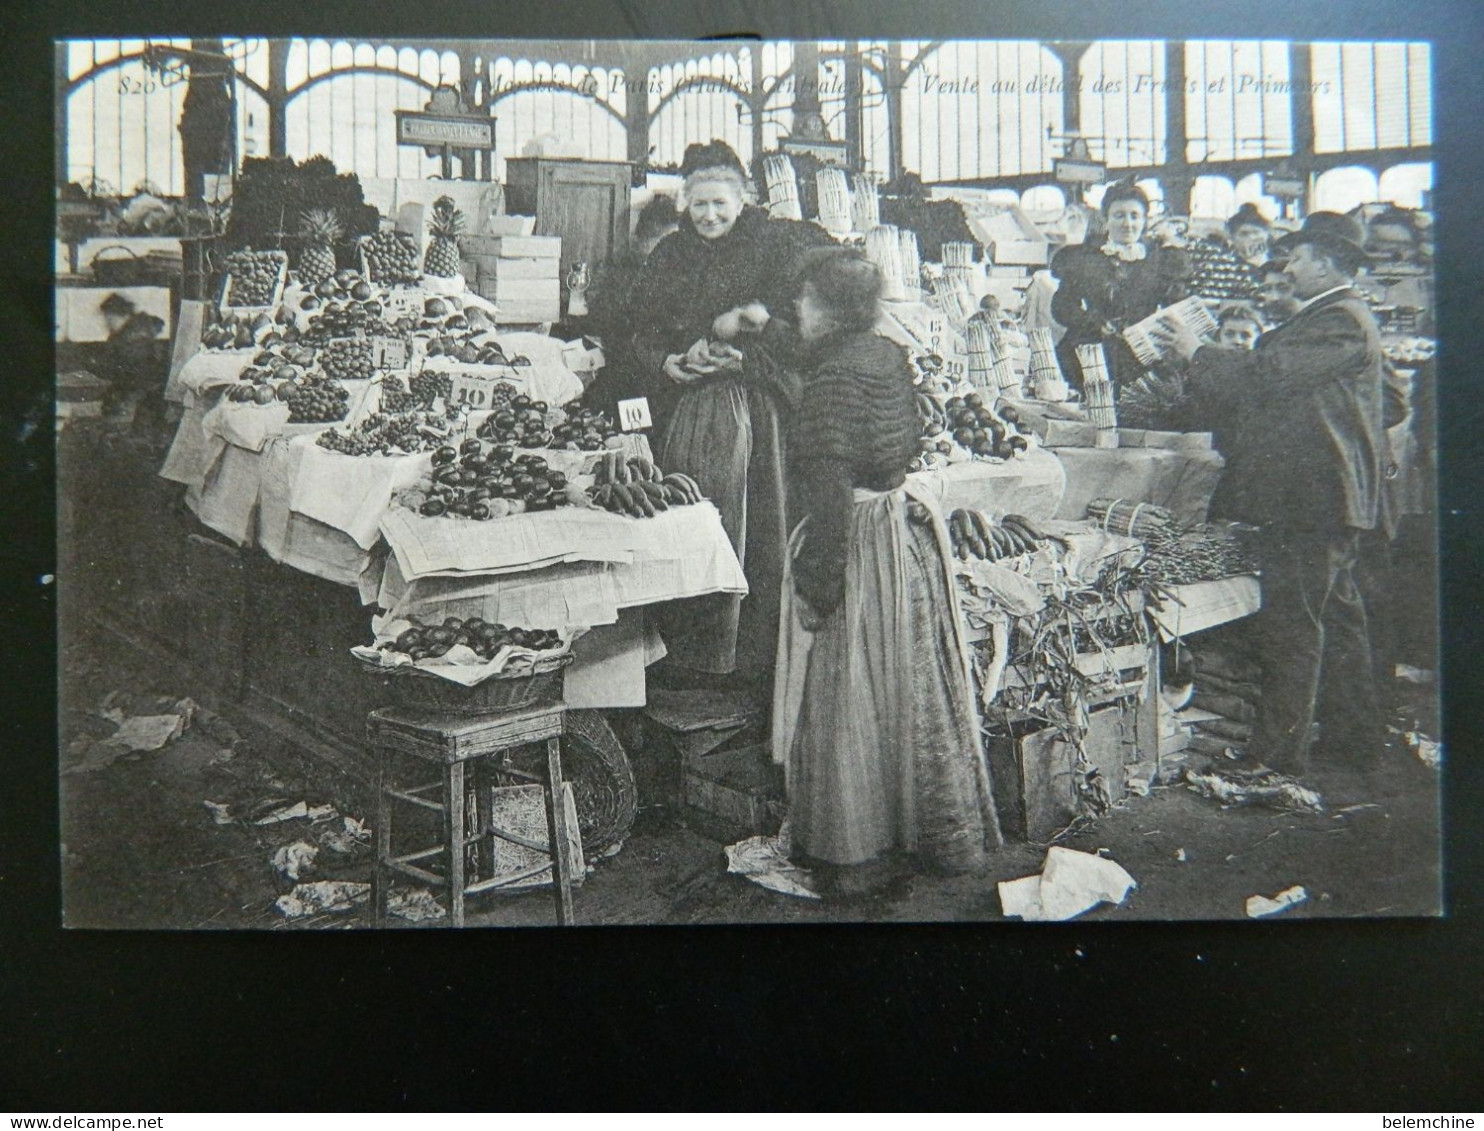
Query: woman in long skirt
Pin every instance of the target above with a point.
(874, 715)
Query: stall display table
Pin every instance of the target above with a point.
(1033, 485)
(1182, 482)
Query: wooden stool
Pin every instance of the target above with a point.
(451, 741)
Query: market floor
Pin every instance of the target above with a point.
(142, 848)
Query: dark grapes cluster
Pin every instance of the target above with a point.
(318, 400)
(395, 397)
(428, 386)
(383, 434)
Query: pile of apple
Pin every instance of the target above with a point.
(254, 276)
(482, 481)
(522, 424)
(235, 331)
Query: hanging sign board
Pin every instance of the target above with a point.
(1071, 172)
(1284, 188)
(416, 127)
(829, 152)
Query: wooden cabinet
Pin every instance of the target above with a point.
(584, 202)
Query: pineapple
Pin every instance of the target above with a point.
(445, 226)
(321, 230)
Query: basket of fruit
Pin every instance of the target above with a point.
(390, 257)
(254, 281)
(531, 674)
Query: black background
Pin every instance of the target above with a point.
(1306, 1016)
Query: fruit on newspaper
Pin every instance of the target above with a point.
(585, 429)
(392, 257)
(634, 486)
(481, 481)
(445, 226)
(254, 277)
(974, 535)
(347, 359)
(485, 638)
(317, 400)
(521, 422)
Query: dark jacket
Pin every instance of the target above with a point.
(856, 426)
(689, 280)
(1095, 289)
(1309, 443)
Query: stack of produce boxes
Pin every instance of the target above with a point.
(521, 275)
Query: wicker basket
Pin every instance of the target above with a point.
(521, 684)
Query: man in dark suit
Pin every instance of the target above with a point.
(1306, 466)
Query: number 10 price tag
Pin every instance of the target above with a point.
(634, 414)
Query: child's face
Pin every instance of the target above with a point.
(1237, 334)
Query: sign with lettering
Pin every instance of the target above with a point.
(473, 391)
(388, 353)
(634, 414)
(416, 127)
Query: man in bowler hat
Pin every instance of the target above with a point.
(1306, 467)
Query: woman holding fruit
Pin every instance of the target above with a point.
(874, 715)
(723, 429)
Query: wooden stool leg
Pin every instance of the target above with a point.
(453, 834)
(380, 873)
(561, 846)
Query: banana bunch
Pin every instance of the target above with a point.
(972, 534)
(934, 418)
(636, 487)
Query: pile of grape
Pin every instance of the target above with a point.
(382, 434)
(347, 359)
(396, 399)
(318, 400)
(428, 385)
(392, 257)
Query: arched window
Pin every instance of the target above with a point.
(1212, 198)
(1404, 185)
(1123, 102)
(1340, 190)
(1043, 198)
(1249, 191)
(1371, 96)
(697, 101)
(1237, 100)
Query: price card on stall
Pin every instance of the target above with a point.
(634, 414)
(388, 353)
(472, 391)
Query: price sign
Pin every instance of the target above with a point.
(388, 353)
(472, 391)
(634, 415)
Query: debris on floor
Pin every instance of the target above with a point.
(296, 810)
(295, 860)
(221, 814)
(1271, 788)
(1428, 751)
(1420, 676)
(1259, 906)
(415, 905)
(1070, 883)
(764, 860)
(352, 836)
(323, 895)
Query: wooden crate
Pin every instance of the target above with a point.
(1034, 783)
(733, 788)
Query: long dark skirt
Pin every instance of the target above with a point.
(874, 716)
(727, 436)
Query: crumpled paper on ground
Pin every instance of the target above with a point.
(764, 860)
(1259, 906)
(135, 733)
(1070, 883)
(1271, 789)
(296, 810)
(295, 860)
(1429, 751)
(353, 835)
(415, 906)
(323, 895)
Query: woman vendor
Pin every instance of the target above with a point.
(724, 429)
(1248, 230)
(1106, 288)
(874, 717)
